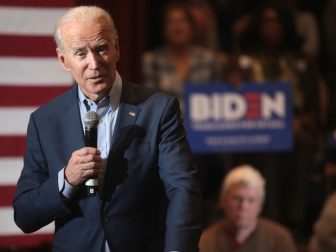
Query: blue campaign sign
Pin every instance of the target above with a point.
(251, 118)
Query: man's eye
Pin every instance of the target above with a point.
(236, 199)
(80, 54)
(251, 200)
(102, 49)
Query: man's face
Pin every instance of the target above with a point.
(90, 53)
(242, 205)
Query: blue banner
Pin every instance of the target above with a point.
(251, 118)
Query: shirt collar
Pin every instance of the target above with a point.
(114, 94)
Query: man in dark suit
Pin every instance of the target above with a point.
(148, 197)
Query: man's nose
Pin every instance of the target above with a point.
(243, 204)
(93, 60)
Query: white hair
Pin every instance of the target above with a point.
(244, 175)
(83, 14)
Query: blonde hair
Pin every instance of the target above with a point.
(244, 175)
(83, 14)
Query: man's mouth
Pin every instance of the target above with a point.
(97, 78)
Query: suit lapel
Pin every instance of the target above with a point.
(127, 115)
(124, 131)
(72, 122)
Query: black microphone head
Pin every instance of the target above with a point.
(91, 119)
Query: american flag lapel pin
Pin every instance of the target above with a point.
(131, 113)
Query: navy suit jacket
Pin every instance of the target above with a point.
(151, 199)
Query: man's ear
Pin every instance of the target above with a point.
(116, 46)
(261, 206)
(62, 59)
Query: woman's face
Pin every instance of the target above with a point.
(177, 27)
(271, 28)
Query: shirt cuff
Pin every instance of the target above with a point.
(65, 188)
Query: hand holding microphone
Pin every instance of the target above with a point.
(84, 164)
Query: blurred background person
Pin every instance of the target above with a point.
(324, 236)
(307, 27)
(206, 30)
(228, 12)
(179, 59)
(329, 38)
(241, 229)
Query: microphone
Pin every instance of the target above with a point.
(91, 121)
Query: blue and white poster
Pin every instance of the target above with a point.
(251, 118)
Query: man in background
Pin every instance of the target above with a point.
(241, 199)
